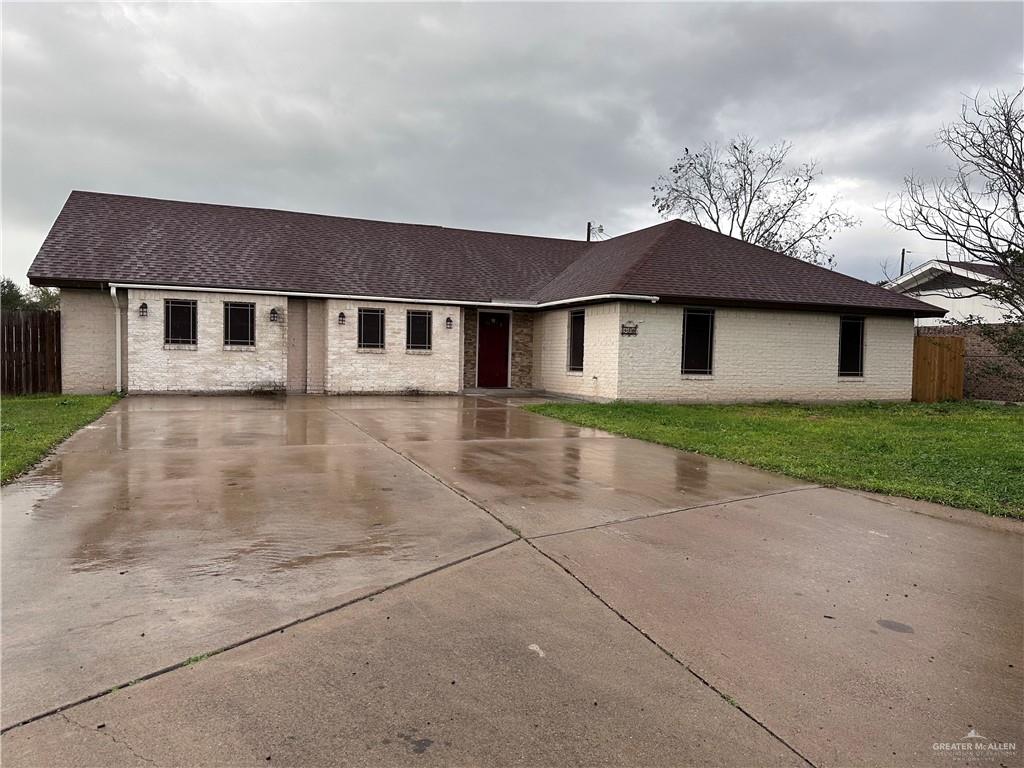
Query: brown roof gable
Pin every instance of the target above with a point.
(102, 238)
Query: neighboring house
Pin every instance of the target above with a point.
(216, 298)
(952, 285)
(989, 374)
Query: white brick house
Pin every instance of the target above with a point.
(953, 286)
(161, 296)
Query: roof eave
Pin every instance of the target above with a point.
(926, 310)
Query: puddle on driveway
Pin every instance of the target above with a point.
(119, 562)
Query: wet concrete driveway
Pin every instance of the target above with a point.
(453, 580)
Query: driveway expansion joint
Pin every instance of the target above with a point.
(63, 708)
(529, 542)
(672, 656)
(663, 513)
(512, 529)
(520, 537)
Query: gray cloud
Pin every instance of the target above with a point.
(523, 118)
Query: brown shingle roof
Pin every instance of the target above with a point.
(102, 238)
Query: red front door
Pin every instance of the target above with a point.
(492, 350)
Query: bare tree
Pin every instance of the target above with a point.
(754, 195)
(978, 211)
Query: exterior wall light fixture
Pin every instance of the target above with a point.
(341, 318)
(275, 314)
(448, 323)
(143, 310)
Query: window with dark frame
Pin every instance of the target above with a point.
(698, 341)
(239, 324)
(418, 329)
(180, 321)
(371, 328)
(577, 329)
(851, 346)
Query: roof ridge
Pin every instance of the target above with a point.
(796, 259)
(597, 244)
(322, 215)
(645, 254)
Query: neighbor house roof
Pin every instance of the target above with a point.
(101, 239)
(993, 271)
(970, 271)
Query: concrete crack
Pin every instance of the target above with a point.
(109, 735)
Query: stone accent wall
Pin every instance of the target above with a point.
(758, 355)
(297, 354)
(522, 350)
(469, 330)
(600, 377)
(988, 375)
(87, 341)
(316, 345)
(521, 375)
(208, 366)
(394, 368)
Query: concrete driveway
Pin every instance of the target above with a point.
(454, 581)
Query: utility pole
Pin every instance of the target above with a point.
(589, 225)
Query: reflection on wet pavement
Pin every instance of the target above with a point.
(542, 487)
(141, 430)
(488, 423)
(156, 535)
(177, 525)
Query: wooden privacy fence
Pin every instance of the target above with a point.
(29, 352)
(938, 368)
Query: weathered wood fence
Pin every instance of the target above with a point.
(938, 368)
(29, 352)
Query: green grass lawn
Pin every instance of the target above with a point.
(963, 454)
(31, 425)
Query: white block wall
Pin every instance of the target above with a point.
(87, 342)
(393, 369)
(209, 366)
(961, 303)
(758, 355)
(600, 377)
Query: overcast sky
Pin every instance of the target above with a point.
(518, 118)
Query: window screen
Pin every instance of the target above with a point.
(371, 329)
(418, 329)
(577, 325)
(179, 321)
(239, 324)
(851, 346)
(698, 340)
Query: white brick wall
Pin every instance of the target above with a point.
(600, 377)
(763, 355)
(393, 369)
(87, 341)
(758, 355)
(210, 366)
